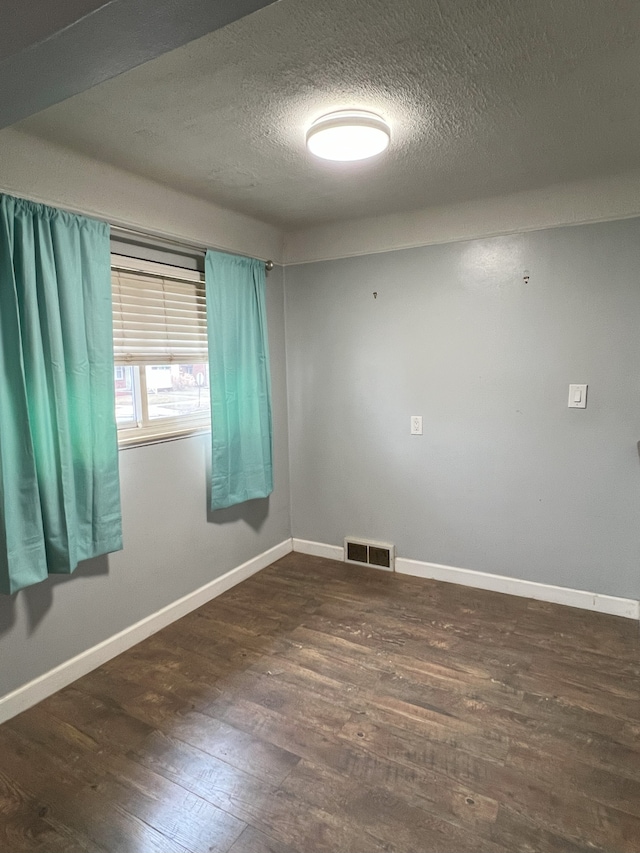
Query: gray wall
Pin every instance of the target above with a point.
(506, 479)
(172, 545)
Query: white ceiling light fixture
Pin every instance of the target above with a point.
(348, 135)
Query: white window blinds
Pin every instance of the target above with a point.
(159, 317)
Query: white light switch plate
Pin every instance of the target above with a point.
(416, 424)
(578, 396)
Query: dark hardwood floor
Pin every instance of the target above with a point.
(325, 707)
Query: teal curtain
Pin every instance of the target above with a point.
(59, 488)
(239, 378)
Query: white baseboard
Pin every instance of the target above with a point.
(627, 607)
(38, 689)
(318, 549)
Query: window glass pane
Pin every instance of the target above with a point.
(125, 390)
(177, 389)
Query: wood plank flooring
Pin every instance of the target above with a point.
(325, 707)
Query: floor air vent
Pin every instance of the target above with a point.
(377, 554)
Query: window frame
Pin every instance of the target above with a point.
(143, 429)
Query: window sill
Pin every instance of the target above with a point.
(141, 439)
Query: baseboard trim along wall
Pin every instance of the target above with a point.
(612, 605)
(48, 683)
(318, 549)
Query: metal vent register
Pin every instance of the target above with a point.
(380, 555)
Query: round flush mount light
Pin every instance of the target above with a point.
(348, 135)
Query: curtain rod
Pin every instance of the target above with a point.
(118, 230)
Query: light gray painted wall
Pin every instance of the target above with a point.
(172, 545)
(506, 479)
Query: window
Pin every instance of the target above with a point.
(160, 350)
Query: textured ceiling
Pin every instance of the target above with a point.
(484, 97)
